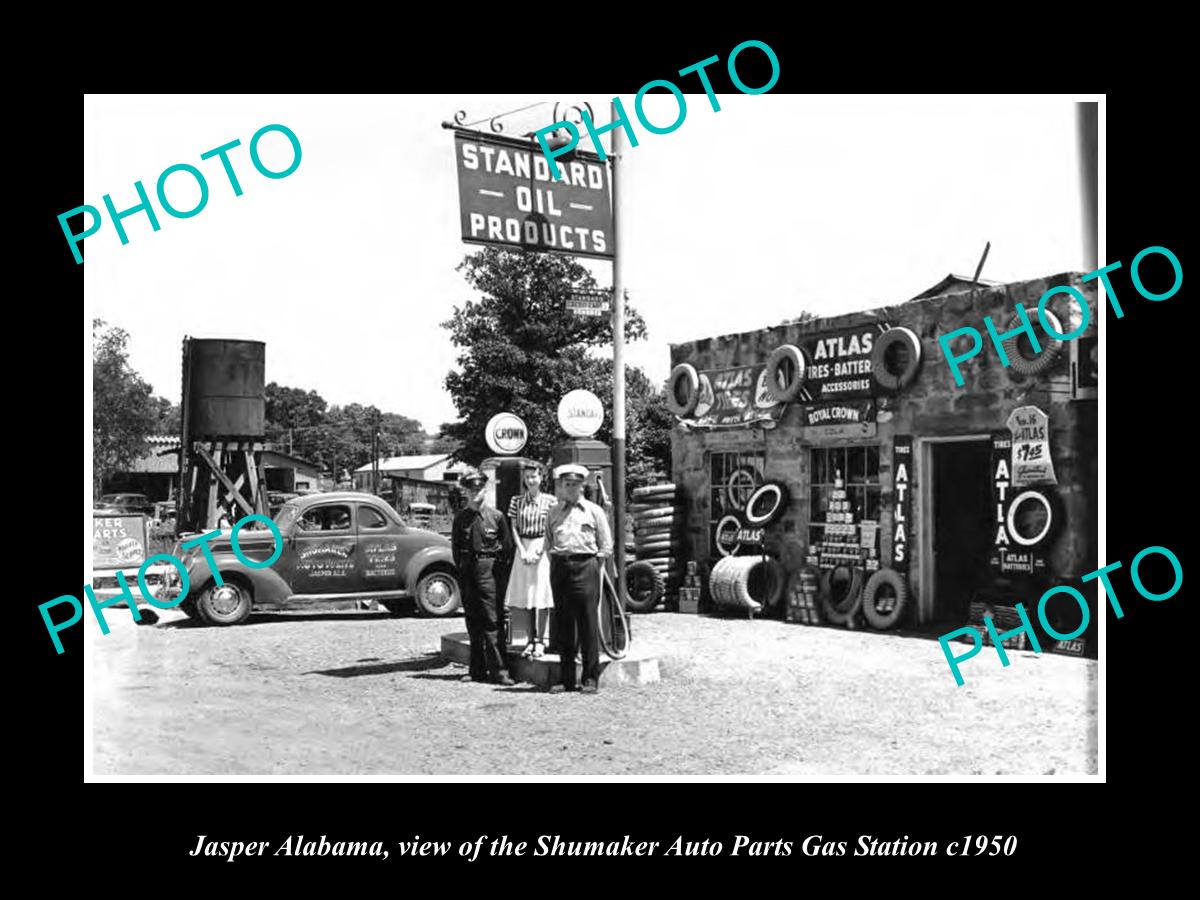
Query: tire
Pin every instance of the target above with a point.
(744, 479)
(780, 355)
(648, 548)
(883, 376)
(658, 532)
(882, 621)
(840, 613)
(684, 382)
(1051, 348)
(730, 582)
(654, 490)
(776, 495)
(658, 520)
(438, 594)
(1043, 496)
(776, 583)
(644, 587)
(228, 604)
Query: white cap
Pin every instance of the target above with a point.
(571, 469)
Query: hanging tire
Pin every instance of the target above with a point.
(779, 358)
(1048, 499)
(741, 481)
(890, 617)
(842, 611)
(766, 504)
(1051, 348)
(658, 520)
(644, 587)
(657, 530)
(226, 604)
(683, 390)
(885, 377)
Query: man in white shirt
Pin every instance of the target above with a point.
(578, 538)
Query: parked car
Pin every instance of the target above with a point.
(130, 503)
(343, 546)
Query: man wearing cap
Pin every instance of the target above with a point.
(578, 539)
(481, 540)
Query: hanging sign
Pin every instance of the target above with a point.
(1030, 429)
(505, 434)
(735, 398)
(580, 413)
(839, 364)
(861, 412)
(590, 303)
(508, 198)
(902, 467)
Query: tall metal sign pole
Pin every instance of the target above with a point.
(618, 324)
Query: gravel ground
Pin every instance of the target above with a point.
(366, 693)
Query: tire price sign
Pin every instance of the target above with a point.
(509, 199)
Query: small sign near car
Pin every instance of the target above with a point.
(506, 434)
(118, 541)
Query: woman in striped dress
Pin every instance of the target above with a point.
(529, 582)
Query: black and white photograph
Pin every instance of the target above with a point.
(580, 437)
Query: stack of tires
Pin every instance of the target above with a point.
(747, 583)
(657, 545)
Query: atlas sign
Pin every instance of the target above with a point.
(506, 434)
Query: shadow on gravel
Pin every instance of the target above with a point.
(420, 664)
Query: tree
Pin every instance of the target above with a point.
(167, 417)
(124, 410)
(522, 350)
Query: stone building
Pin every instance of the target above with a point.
(977, 513)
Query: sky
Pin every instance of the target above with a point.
(736, 221)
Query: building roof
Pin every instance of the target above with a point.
(407, 462)
(287, 457)
(952, 284)
(161, 457)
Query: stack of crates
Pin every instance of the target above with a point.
(689, 592)
(802, 599)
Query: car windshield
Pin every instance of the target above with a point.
(286, 516)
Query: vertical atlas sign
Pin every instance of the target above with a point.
(508, 198)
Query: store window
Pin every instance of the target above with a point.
(733, 477)
(845, 504)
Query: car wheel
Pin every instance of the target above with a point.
(226, 604)
(438, 594)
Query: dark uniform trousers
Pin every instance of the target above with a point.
(575, 581)
(483, 609)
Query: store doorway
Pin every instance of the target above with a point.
(961, 514)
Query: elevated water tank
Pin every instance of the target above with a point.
(226, 388)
